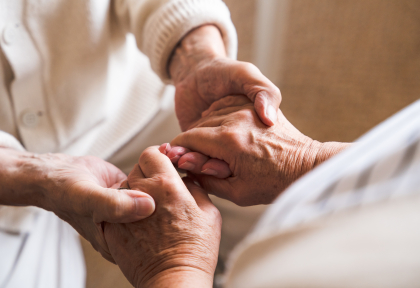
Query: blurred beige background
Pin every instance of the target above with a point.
(342, 66)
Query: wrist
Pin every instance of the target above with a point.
(327, 150)
(182, 277)
(200, 45)
(314, 153)
(21, 179)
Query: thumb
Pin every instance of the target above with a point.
(259, 89)
(119, 206)
(266, 105)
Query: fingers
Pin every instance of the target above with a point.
(165, 148)
(200, 196)
(206, 140)
(198, 163)
(226, 102)
(259, 89)
(176, 152)
(195, 162)
(192, 161)
(153, 163)
(118, 206)
(220, 187)
(217, 168)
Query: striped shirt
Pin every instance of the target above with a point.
(382, 165)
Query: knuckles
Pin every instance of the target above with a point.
(231, 136)
(245, 115)
(237, 135)
(249, 68)
(147, 155)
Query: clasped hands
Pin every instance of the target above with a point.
(178, 245)
(240, 148)
(237, 147)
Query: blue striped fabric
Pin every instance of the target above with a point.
(382, 165)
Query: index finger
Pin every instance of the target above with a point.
(205, 140)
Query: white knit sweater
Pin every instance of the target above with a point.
(80, 84)
(73, 80)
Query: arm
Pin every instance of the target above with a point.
(76, 189)
(201, 45)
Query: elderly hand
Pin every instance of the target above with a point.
(178, 245)
(203, 74)
(76, 189)
(263, 160)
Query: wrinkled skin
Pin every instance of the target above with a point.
(79, 190)
(202, 73)
(263, 160)
(182, 236)
(218, 78)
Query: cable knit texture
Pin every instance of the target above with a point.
(8, 141)
(174, 20)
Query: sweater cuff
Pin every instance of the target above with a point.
(8, 141)
(174, 20)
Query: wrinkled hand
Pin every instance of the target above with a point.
(195, 162)
(178, 245)
(263, 160)
(202, 74)
(79, 191)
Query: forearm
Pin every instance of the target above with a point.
(328, 150)
(180, 278)
(201, 44)
(309, 154)
(20, 179)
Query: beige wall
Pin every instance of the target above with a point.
(243, 16)
(348, 65)
(345, 66)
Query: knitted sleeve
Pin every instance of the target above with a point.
(8, 141)
(159, 25)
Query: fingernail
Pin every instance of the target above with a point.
(175, 158)
(162, 148)
(272, 114)
(210, 172)
(187, 166)
(167, 148)
(144, 206)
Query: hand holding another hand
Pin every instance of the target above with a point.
(202, 74)
(178, 245)
(80, 190)
(263, 160)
